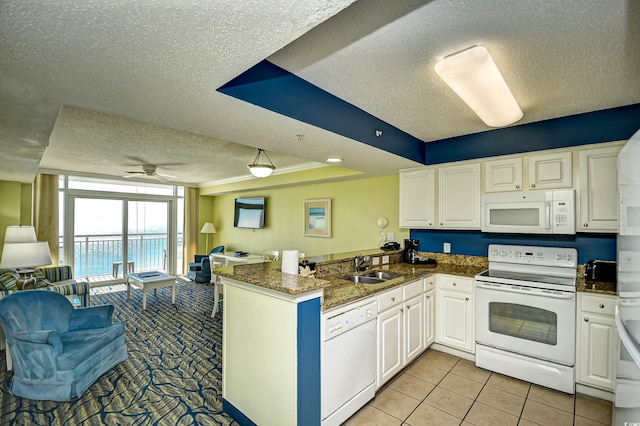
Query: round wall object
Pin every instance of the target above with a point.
(383, 222)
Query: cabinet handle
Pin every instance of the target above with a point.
(586, 225)
(466, 298)
(533, 185)
(440, 223)
(454, 284)
(586, 320)
(601, 306)
(430, 224)
(393, 299)
(517, 186)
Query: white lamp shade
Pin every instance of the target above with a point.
(25, 255)
(208, 228)
(474, 77)
(20, 234)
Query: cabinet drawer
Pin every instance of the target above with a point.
(446, 282)
(389, 299)
(413, 289)
(429, 283)
(598, 304)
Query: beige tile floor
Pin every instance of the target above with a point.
(441, 389)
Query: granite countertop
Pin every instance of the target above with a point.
(338, 292)
(269, 275)
(341, 292)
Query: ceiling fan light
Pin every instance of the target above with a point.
(474, 76)
(261, 170)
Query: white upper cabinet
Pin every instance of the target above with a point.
(503, 175)
(417, 198)
(599, 189)
(459, 196)
(550, 171)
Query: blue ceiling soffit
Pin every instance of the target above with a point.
(271, 87)
(592, 127)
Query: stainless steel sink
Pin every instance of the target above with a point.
(361, 279)
(383, 275)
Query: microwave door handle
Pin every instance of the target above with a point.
(626, 339)
(547, 217)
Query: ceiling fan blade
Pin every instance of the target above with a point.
(132, 175)
(166, 176)
(160, 178)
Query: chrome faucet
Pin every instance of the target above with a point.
(361, 263)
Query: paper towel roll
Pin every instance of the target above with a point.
(290, 261)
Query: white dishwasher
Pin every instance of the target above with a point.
(348, 357)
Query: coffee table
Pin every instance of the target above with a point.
(151, 280)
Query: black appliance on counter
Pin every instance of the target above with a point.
(411, 254)
(410, 250)
(601, 270)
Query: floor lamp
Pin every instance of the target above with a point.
(208, 228)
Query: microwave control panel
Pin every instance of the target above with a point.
(563, 213)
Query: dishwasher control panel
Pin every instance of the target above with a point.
(344, 320)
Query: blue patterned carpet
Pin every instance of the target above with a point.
(173, 375)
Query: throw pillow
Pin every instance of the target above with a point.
(41, 283)
(8, 281)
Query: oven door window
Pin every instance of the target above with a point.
(523, 322)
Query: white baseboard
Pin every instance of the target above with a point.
(453, 351)
(598, 393)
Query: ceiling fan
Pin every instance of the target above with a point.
(150, 171)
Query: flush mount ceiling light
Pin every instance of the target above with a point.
(474, 77)
(334, 160)
(261, 170)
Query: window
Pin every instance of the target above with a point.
(103, 222)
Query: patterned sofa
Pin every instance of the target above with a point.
(57, 278)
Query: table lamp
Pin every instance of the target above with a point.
(24, 257)
(208, 228)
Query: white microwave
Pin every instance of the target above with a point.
(537, 212)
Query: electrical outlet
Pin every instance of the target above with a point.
(446, 247)
(391, 236)
(382, 237)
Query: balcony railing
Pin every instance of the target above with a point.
(94, 255)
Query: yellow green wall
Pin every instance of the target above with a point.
(15, 205)
(356, 207)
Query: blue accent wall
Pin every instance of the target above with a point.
(236, 414)
(309, 362)
(593, 127)
(271, 87)
(475, 243)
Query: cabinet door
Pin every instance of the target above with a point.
(459, 196)
(417, 198)
(413, 311)
(503, 175)
(429, 305)
(390, 347)
(548, 171)
(596, 349)
(455, 320)
(599, 189)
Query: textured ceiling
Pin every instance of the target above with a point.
(140, 78)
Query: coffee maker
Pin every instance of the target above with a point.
(411, 250)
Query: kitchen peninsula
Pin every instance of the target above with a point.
(272, 331)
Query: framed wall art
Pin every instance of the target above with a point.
(317, 218)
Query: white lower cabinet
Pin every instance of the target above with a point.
(401, 328)
(429, 310)
(597, 339)
(455, 312)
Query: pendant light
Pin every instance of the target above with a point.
(261, 170)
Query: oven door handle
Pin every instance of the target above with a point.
(510, 289)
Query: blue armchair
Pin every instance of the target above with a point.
(58, 351)
(200, 270)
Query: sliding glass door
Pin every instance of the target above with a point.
(107, 230)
